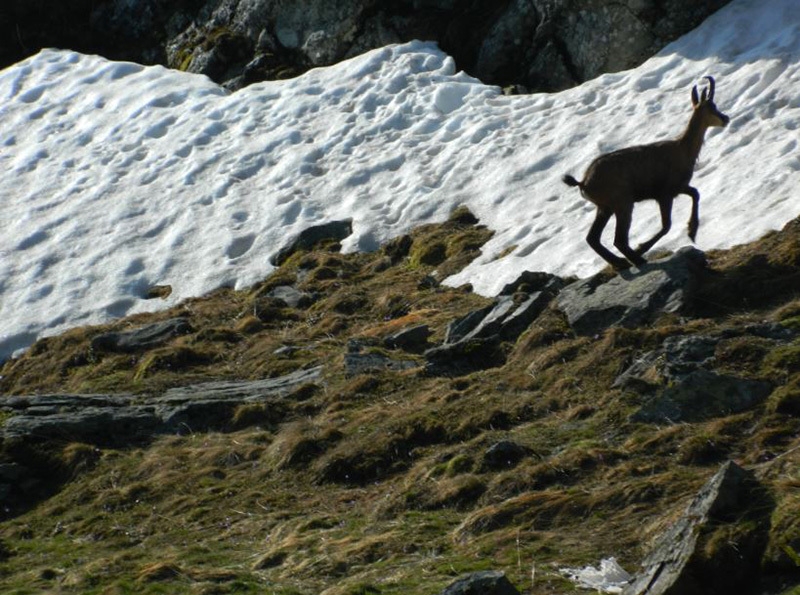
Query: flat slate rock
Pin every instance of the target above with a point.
(123, 419)
(365, 363)
(144, 337)
(634, 296)
(240, 390)
(678, 563)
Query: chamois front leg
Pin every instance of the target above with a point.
(623, 216)
(593, 238)
(665, 205)
(694, 218)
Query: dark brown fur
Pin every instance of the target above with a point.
(658, 171)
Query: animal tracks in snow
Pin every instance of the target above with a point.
(239, 246)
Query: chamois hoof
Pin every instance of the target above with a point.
(621, 264)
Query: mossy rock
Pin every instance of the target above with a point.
(468, 241)
(172, 359)
(784, 359)
(249, 325)
(398, 248)
(428, 253)
(459, 464)
(786, 399)
(462, 216)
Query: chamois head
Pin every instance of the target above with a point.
(706, 109)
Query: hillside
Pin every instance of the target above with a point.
(387, 470)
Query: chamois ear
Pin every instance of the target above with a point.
(695, 100)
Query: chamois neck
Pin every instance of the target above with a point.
(692, 137)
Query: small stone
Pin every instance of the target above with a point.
(487, 582)
(415, 337)
(503, 455)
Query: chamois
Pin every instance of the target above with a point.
(658, 171)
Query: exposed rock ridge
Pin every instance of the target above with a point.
(538, 44)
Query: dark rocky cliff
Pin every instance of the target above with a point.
(540, 45)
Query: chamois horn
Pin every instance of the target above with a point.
(711, 85)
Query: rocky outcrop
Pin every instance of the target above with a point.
(141, 338)
(635, 296)
(691, 558)
(538, 44)
(124, 419)
(678, 383)
(471, 342)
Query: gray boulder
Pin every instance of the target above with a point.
(487, 582)
(409, 339)
(306, 239)
(680, 562)
(472, 341)
(633, 297)
(679, 384)
(142, 338)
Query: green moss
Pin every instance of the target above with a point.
(786, 398)
(783, 360)
(462, 216)
(459, 464)
(171, 359)
(427, 253)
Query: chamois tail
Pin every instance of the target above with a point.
(570, 181)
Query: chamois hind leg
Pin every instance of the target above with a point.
(593, 238)
(694, 218)
(665, 205)
(623, 216)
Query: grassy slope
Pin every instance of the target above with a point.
(375, 484)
